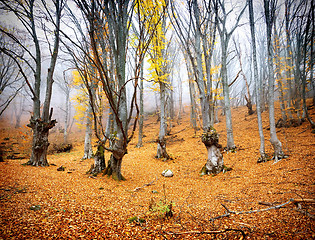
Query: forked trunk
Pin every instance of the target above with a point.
(40, 141)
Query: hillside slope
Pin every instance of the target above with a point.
(42, 203)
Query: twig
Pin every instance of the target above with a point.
(144, 185)
(208, 232)
(305, 212)
(228, 213)
(304, 200)
(245, 224)
(265, 203)
(179, 131)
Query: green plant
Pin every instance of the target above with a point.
(163, 207)
(136, 219)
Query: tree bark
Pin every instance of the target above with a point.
(263, 156)
(214, 163)
(269, 16)
(226, 93)
(161, 143)
(40, 141)
(278, 74)
(114, 164)
(65, 133)
(99, 160)
(225, 37)
(140, 135)
(88, 152)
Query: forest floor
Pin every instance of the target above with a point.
(43, 203)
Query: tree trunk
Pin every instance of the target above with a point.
(40, 141)
(140, 135)
(288, 59)
(65, 133)
(88, 152)
(99, 161)
(277, 146)
(192, 94)
(180, 99)
(263, 156)
(214, 163)
(309, 27)
(114, 169)
(279, 76)
(119, 150)
(161, 143)
(227, 108)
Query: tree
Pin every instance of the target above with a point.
(141, 113)
(29, 13)
(278, 70)
(269, 8)
(10, 78)
(104, 49)
(159, 69)
(148, 24)
(225, 35)
(192, 33)
(248, 98)
(263, 156)
(308, 60)
(66, 86)
(192, 94)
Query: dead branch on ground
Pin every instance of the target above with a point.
(208, 232)
(144, 185)
(229, 213)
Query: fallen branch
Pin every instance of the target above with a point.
(144, 185)
(229, 213)
(178, 131)
(208, 232)
(304, 200)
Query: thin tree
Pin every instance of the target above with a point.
(270, 8)
(191, 31)
(225, 36)
(263, 156)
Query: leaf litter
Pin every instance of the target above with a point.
(43, 203)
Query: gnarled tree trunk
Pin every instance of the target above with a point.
(40, 141)
(214, 163)
(114, 164)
